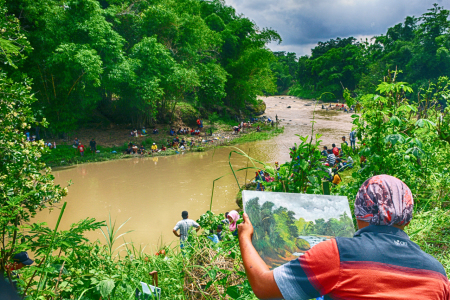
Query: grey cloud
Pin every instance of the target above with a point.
(305, 22)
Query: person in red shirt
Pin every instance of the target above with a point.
(81, 148)
(379, 262)
(335, 150)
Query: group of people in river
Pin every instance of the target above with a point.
(353, 108)
(243, 125)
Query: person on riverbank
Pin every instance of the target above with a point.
(184, 226)
(129, 150)
(344, 141)
(353, 139)
(81, 148)
(93, 145)
(155, 131)
(324, 151)
(331, 159)
(19, 261)
(379, 262)
(216, 237)
(362, 161)
(142, 150)
(335, 150)
(135, 149)
(219, 231)
(213, 237)
(76, 143)
(226, 221)
(340, 165)
(336, 177)
(233, 217)
(154, 148)
(267, 177)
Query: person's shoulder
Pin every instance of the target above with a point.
(328, 247)
(429, 262)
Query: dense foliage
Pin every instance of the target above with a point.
(132, 62)
(418, 46)
(26, 184)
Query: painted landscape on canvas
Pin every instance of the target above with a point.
(287, 225)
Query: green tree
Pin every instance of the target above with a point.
(26, 184)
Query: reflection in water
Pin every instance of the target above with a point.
(154, 191)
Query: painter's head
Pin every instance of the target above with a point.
(385, 201)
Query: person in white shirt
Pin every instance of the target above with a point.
(184, 226)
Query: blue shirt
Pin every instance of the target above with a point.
(214, 238)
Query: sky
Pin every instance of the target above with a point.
(304, 23)
(308, 207)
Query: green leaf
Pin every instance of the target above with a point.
(105, 287)
(212, 274)
(233, 292)
(425, 123)
(394, 139)
(396, 121)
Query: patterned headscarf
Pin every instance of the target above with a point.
(384, 200)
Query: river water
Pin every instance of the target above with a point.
(153, 192)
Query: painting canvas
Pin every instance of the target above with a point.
(287, 225)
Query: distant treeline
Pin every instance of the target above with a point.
(419, 47)
(133, 61)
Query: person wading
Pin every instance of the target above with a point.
(379, 262)
(184, 226)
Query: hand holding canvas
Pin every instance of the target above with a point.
(245, 228)
(259, 275)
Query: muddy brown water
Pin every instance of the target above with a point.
(152, 192)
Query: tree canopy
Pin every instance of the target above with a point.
(134, 61)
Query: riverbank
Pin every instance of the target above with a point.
(67, 155)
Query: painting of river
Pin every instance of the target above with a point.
(287, 225)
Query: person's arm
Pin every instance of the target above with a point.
(196, 225)
(260, 277)
(175, 230)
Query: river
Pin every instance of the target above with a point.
(152, 192)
